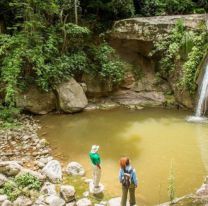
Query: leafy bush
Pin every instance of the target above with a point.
(106, 63)
(21, 185)
(9, 114)
(187, 46)
(29, 181)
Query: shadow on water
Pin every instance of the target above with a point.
(152, 138)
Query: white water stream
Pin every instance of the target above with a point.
(202, 101)
(201, 105)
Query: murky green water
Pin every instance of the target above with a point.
(152, 138)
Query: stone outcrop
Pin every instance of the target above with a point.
(36, 101)
(97, 87)
(147, 28)
(134, 39)
(71, 97)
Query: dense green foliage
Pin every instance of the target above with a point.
(46, 42)
(45, 47)
(162, 7)
(183, 46)
(21, 185)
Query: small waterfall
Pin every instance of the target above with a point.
(201, 105)
(203, 94)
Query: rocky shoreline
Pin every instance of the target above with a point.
(24, 155)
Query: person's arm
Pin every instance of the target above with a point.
(135, 180)
(120, 175)
(98, 162)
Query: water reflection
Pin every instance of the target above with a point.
(152, 138)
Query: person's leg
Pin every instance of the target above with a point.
(132, 200)
(97, 176)
(94, 175)
(124, 195)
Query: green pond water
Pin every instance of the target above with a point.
(152, 138)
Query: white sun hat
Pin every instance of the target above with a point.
(95, 148)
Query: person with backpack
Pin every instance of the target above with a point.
(128, 179)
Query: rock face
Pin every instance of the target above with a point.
(36, 101)
(147, 28)
(71, 97)
(75, 169)
(53, 171)
(96, 87)
(134, 40)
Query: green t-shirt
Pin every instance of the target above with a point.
(95, 158)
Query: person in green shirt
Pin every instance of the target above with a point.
(95, 159)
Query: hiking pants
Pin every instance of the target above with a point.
(96, 175)
(132, 199)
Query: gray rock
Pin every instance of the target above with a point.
(71, 203)
(53, 171)
(10, 168)
(3, 179)
(3, 198)
(54, 200)
(7, 203)
(86, 194)
(94, 190)
(67, 192)
(84, 202)
(36, 101)
(71, 97)
(48, 189)
(115, 202)
(22, 201)
(75, 169)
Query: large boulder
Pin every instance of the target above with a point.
(75, 169)
(68, 193)
(10, 168)
(53, 171)
(36, 101)
(71, 97)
